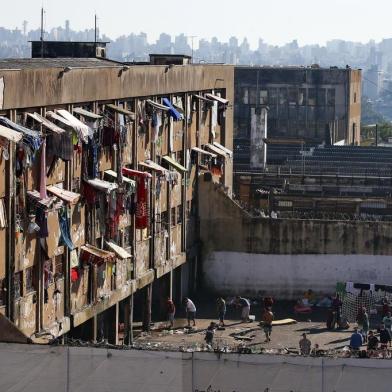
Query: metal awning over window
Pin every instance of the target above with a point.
(46, 123)
(148, 164)
(175, 164)
(204, 152)
(157, 105)
(113, 174)
(135, 173)
(92, 254)
(67, 196)
(101, 185)
(83, 130)
(224, 149)
(10, 134)
(86, 113)
(118, 250)
(60, 119)
(202, 98)
(218, 99)
(216, 150)
(121, 110)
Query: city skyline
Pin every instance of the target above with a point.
(277, 23)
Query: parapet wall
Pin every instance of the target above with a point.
(287, 256)
(43, 368)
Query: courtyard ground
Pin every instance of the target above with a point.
(237, 334)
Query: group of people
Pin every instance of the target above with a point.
(244, 304)
(190, 310)
(362, 335)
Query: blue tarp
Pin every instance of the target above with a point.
(172, 110)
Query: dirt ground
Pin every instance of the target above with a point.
(249, 335)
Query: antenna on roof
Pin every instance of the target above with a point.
(95, 29)
(42, 32)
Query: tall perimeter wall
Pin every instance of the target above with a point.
(35, 368)
(283, 257)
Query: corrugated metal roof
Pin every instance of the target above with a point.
(57, 63)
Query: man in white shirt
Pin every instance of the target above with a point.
(190, 311)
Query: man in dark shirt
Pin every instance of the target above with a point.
(372, 341)
(337, 307)
(385, 337)
(221, 307)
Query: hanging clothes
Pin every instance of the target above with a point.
(74, 274)
(42, 221)
(65, 237)
(142, 203)
(214, 118)
(156, 124)
(42, 184)
(60, 145)
(171, 133)
(74, 258)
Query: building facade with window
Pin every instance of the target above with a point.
(309, 103)
(98, 189)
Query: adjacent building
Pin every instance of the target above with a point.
(100, 163)
(304, 104)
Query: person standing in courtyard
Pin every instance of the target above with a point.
(305, 345)
(244, 304)
(171, 310)
(190, 311)
(363, 322)
(267, 319)
(221, 307)
(337, 307)
(387, 321)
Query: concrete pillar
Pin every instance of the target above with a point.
(147, 293)
(128, 320)
(171, 284)
(95, 328)
(117, 311)
(111, 317)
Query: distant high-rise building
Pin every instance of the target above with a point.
(67, 30)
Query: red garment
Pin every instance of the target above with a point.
(142, 211)
(89, 193)
(74, 274)
(141, 204)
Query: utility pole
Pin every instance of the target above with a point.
(95, 29)
(192, 37)
(42, 32)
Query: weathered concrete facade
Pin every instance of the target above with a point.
(44, 289)
(284, 256)
(312, 104)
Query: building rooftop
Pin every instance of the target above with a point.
(294, 67)
(31, 63)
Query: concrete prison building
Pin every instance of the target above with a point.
(98, 189)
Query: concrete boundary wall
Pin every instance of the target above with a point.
(43, 368)
(288, 276)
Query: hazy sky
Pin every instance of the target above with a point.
(276, 21)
